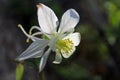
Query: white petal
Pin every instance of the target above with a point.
(44, 60)
(58, 58)
(67, 55)
(47, 19)
(69, 20)
(34, 50)
(52, 43)
(75, 37)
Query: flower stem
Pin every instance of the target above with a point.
(42, 76)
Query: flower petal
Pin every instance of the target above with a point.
(47, 19)
(44, 60)
(75, 37)
(69, 20)
(58, 58)
(52, 43)
(67, 55)
(34, 50)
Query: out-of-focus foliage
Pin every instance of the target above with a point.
(74, 72)
(113, 12)
(19, 71)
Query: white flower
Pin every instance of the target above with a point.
(62, 41)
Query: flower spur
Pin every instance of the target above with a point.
(62, 41)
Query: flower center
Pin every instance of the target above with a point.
(65, 46)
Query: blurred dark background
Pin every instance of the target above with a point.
(96, 58)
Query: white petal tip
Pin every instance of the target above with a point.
(39, 5)
(66, 56)
(55, 62)
(74, 14)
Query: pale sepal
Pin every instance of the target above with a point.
(35, 50)
(69, 20)
(47, 19)
(58, 58)
(44, 60)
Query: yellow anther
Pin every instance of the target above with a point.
(27, 40)
(19, 25)
(65, 46)
(30, 33)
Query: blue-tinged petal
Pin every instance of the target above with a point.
(47, 19)
(44, 60)
(34, 50)
(69, 20)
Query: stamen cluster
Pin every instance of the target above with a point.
(65, 46)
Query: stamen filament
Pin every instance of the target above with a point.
(34, 27)
(20, 26)
(28, 39)
(37, 33)
(29, 36)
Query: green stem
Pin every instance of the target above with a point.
(42, 75)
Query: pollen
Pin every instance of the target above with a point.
(19, 25)
(65, 46)
(27, 40)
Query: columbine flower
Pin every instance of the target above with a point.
(62, 41)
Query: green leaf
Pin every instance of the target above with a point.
(19, 71)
